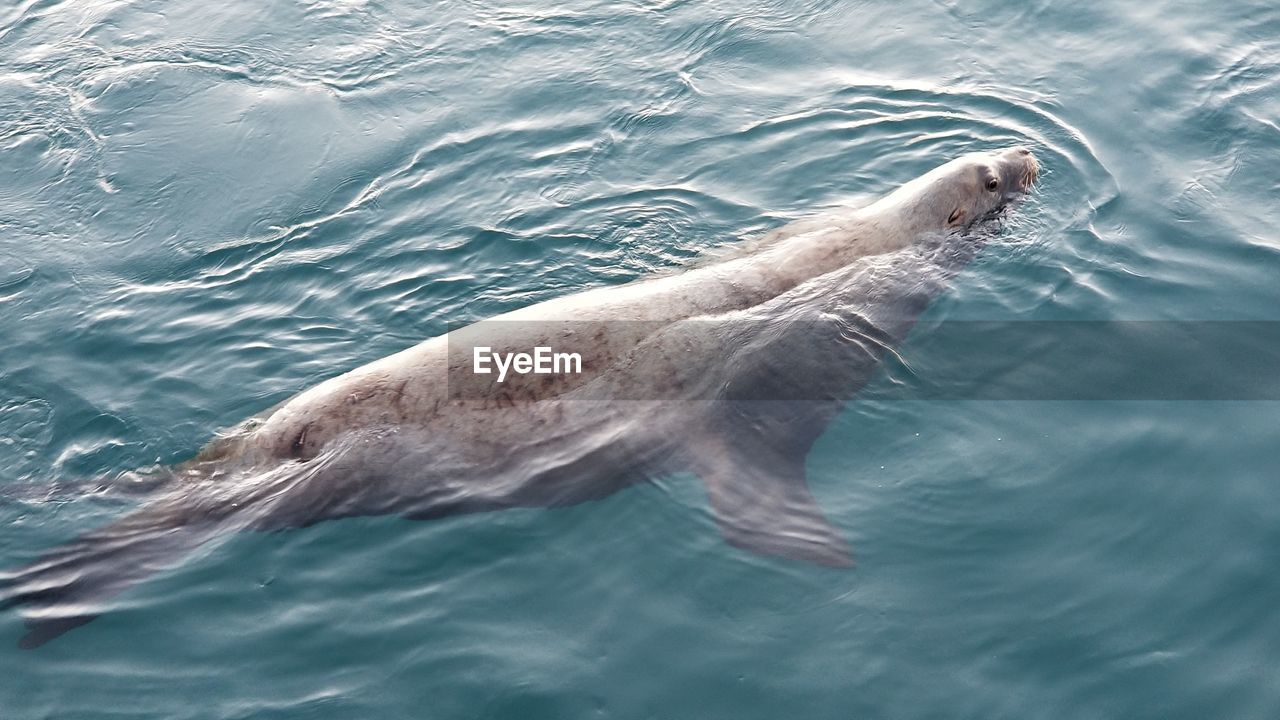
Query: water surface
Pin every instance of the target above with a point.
(208, 207)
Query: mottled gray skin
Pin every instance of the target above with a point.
(408, 388)
(730, 370)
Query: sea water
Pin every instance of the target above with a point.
(207, 207)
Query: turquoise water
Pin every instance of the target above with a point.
(206, 208)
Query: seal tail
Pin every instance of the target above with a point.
(125, 485)
(69, 585)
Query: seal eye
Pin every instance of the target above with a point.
(992, 184)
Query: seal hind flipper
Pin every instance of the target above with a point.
(762, 504)
(68, 586)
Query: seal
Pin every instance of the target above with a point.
(731, 370)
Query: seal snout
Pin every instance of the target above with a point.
(1021, 167)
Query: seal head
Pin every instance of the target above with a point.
(977, 186)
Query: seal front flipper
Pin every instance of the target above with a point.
(761, 503)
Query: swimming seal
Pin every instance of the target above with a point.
(731, 370)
